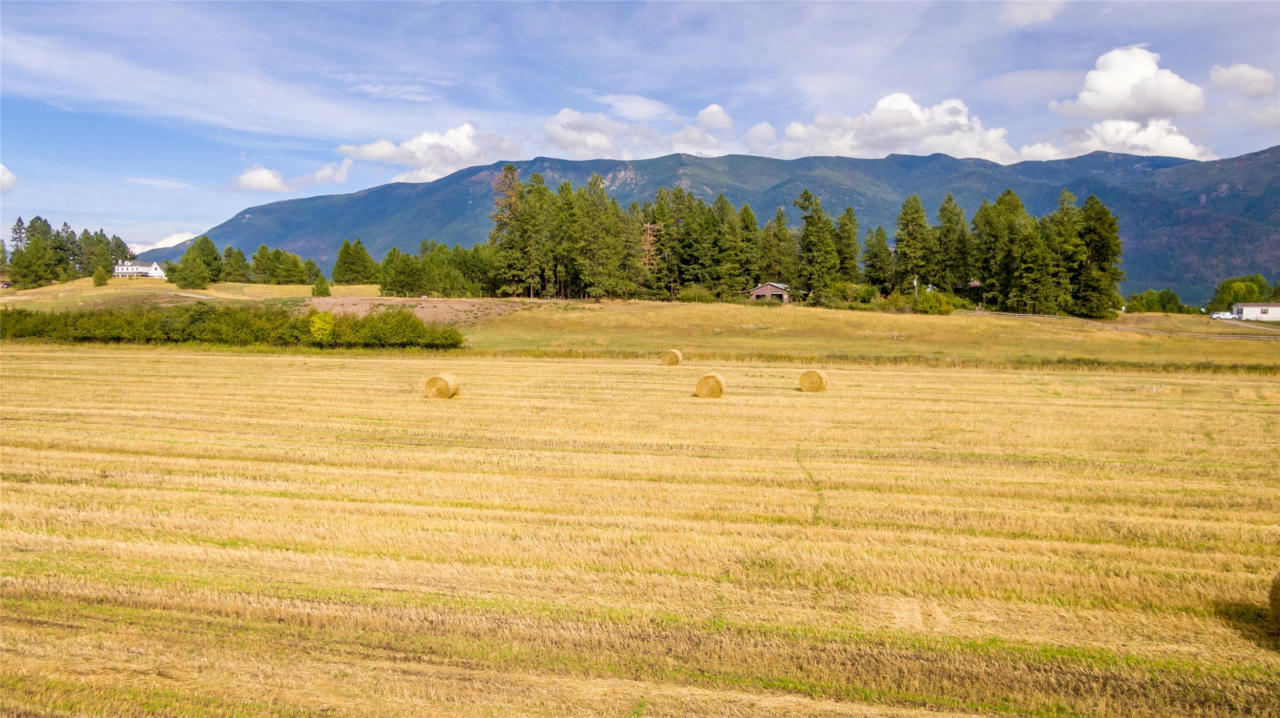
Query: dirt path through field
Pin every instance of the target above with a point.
(450, 311)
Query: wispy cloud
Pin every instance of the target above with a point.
(408, 93)
(244, 99)
(1247, 80)
(1021, 13)
(637, 108)
(168, 240)
(158, 182)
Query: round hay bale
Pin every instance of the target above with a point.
(672, 357)
(442, 386)
(813, 380)
(1275, 601)
(710, 386)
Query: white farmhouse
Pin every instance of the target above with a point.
(1256, 311)
(139, 269)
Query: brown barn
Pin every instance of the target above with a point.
(771, 290)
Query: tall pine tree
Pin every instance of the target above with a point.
(877, 261)
(749, 228)
(234, 266)
(774, 250)
(209, 254)
(847, 245)
(914, 253)
(18, 235)
(1060, 230)
(733, 265)
(955, 271)
(1095, 293)
(819, 260)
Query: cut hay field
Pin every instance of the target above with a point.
(217, 533)
(790, 333)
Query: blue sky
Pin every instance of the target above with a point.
(156, 121)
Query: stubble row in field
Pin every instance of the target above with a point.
(210, 532)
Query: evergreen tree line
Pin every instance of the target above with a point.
(202, 264)
(39, 255)
(581, 243)
(436, 270)
(1247, 288)
(1165, 301)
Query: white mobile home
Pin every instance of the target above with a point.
(1256, 311)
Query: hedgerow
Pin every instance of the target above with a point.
(234, 325)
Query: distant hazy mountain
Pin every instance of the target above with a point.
(1185, 224)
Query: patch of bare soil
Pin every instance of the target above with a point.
(462, 312)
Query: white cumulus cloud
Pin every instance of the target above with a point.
(435, 154)
(1247, 80)
(335, 173)
(713, 117)
(1128, 83)
(898, 124)
(1153, 137)
(1040, 151)
(7, 179)
(582, 135)
(693, 140)
(260, 179)
(1021, 13)
(760, 137)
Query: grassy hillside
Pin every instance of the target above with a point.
(81, 294)
(585, 538)
(1185, 224)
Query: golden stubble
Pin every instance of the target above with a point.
(223, 529)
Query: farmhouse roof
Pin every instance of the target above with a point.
(1256, 304)
(779, 285)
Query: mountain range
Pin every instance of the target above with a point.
(1185, 224)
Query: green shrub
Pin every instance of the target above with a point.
(893, 303)
(933, 303)
(826, 298)
(696, 293)
(100, 276)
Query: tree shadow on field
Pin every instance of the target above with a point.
(1252, 621)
